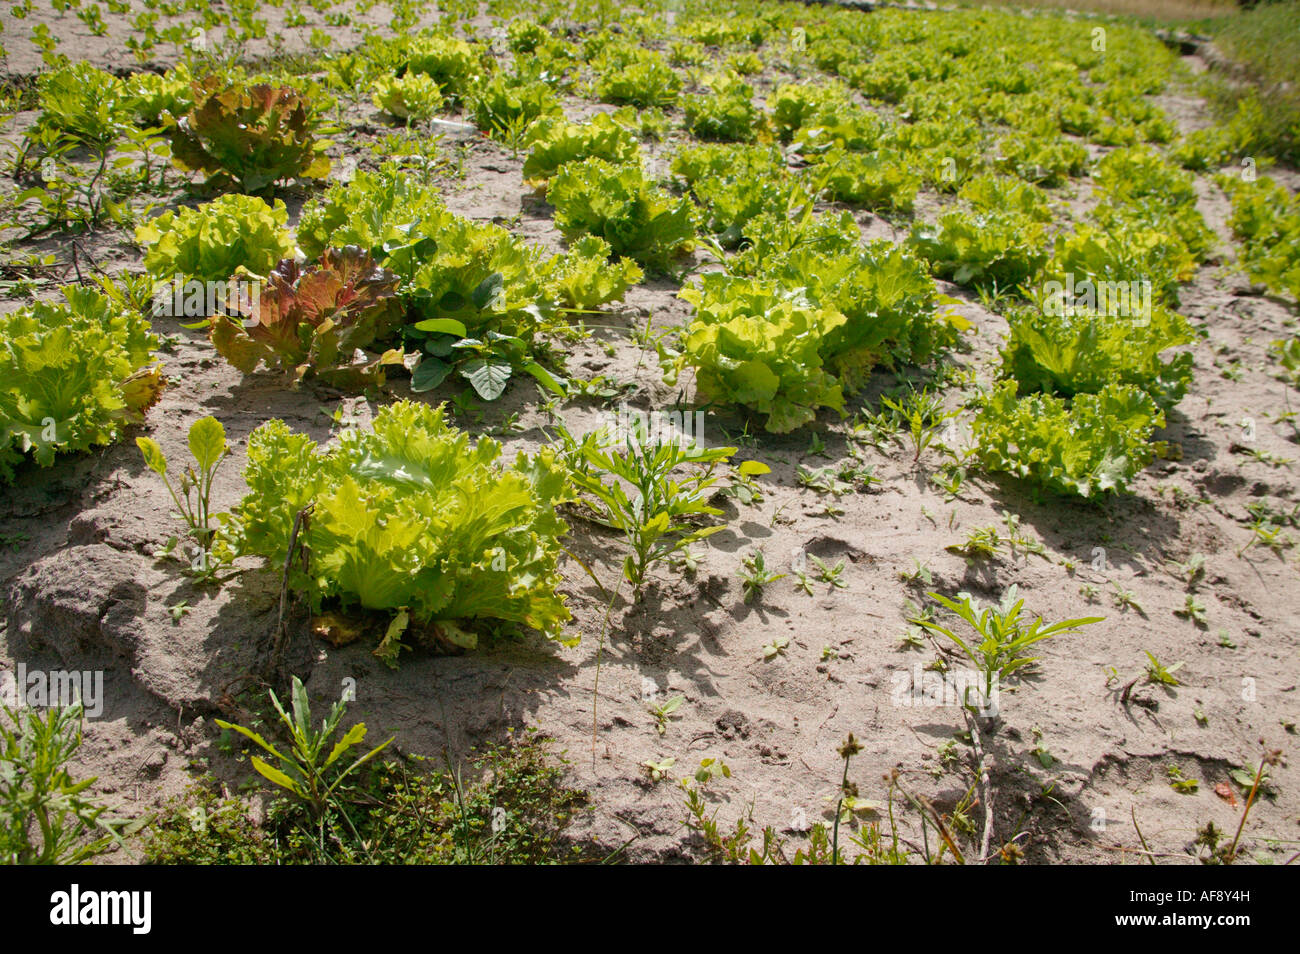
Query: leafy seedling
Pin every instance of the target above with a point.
(192, 492)
(662, 711)
(776, 647)
(1004, 633)
(308, 770)
(1160, 674)
(755, 575)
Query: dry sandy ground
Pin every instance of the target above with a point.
(82, 591)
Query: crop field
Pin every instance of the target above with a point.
(722, 432)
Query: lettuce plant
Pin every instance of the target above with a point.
(374, 210)
(1140, 171)
(412, 96)
(1002, 248)
(1091, 445)
(841, 125)
(156, 100)
(250, 137)
(795, 105)
(450, 267)
(1143, 192)
(73, 375)
(1121, 257)
(883, 291)
(525, 36)
(409, 518)
(756, 344)
(733, 184)
(990, 193)
(554, 141)
(217, 239)
(584, 278)
(85, 104)
(879, 180)
(503, 106)
(453, 64)
(727, 114)
(476, 295)
(312, 321)
(617, 203)
(888, 301)
(728, 31)
(1044, 161)
(637, 77)
(686, 53)
(1068, 351)
(1266, 218)
(773, 237)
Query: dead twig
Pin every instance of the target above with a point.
(301, 524)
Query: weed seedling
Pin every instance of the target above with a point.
(651, 491)
(1126, 600)
(776, 647)
(755, 575)
(662, 711)
(193, 492)
(309, 771)
(658, 771)
(1160, 674)
(832, 575)
(981, 543)
(921, 414)
(1004, 635)
(1194, 610)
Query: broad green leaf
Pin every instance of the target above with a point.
(354, 736)
(488, 378)
(446, 326)
(207, 442)
(277, 776)
(429, 373)
(153, 455)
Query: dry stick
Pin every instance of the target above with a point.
(301, 521)
(1146, 849)
(982, 777)
(1149, 855)
(595, 686)
(922, 804)
(582, 563)
(981, 768)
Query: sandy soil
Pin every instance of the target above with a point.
(82, 590)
